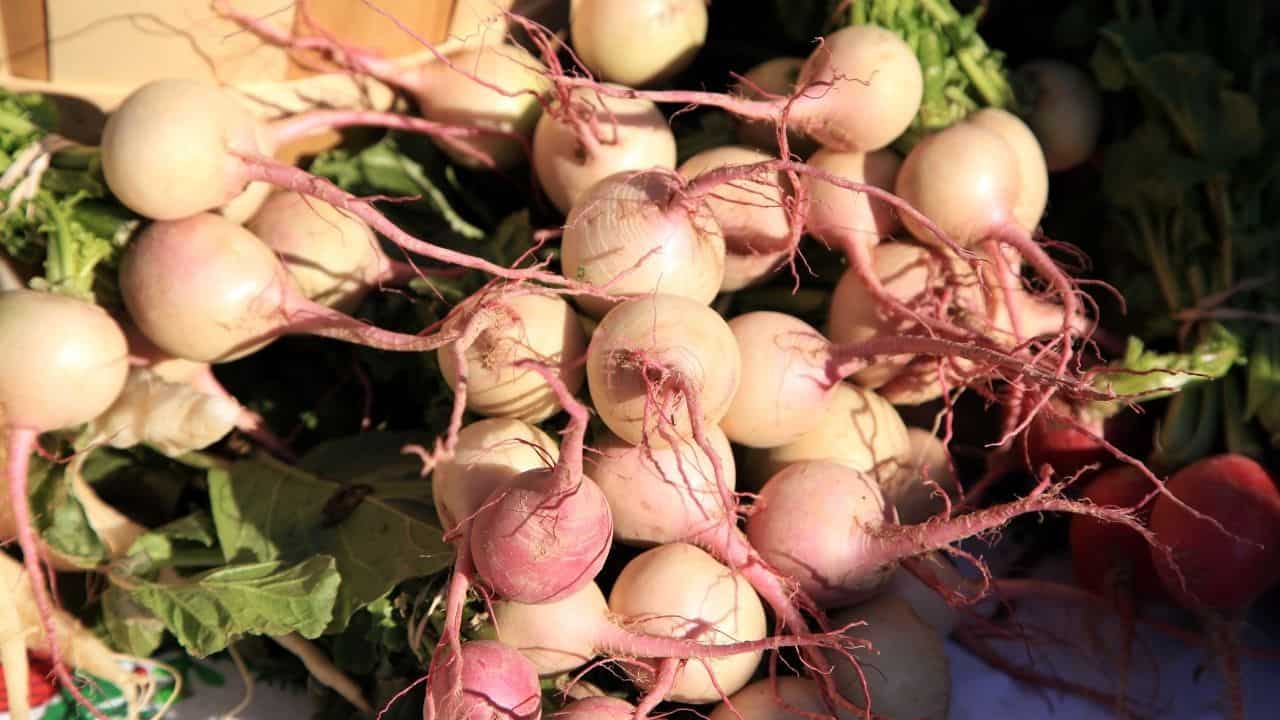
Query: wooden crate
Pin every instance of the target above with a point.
(90, 54)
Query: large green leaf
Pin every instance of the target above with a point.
(206, 612)
(264, 510)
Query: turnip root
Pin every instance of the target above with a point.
(589, 136)
(935, 598)
(495, 683)
(596, 708)
(784, 391)
(662, 495)
(631, 234)
(562, 635)
(925, 485)
(830, 529)
(72, 367)
(174, 418)
(654, 361)
(333, 256)
(640, 42)
(520, 324)
(776, 77)
(907, 672)
(752, 214)
(547, 534)
(699, 598)
(1065, 111)
(858, 429)
(206, 289)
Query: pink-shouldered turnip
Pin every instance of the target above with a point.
(640, 42)
(495, 682)
(751, 213)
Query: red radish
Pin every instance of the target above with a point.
(590, 136)
(72, 366)
(1033, 196)
(632, 234)
(636, 43)
(496, 683)
(547, 534)
(654, 361)
(206, 289)
(776, 77)
(1066, 440)
(520, 324)
(785, 389)
(906, 669)
(751, 213)
(1212, 570)
(858, 429)
(1065, 111)
(700, 597)
(596, 708)
(662, 495)
(176, 148)
(488, 456)
(333, 256)
(830, 528)
(562, 635)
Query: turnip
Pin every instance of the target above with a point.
(776, 77)
(638, 42)
(784, 390)
(176, 148)
(926, 484)
(657, 363)
(906, 670)
(858, 429)
(589, 136)
(744, 271)
(596, 708)
(830, 528)
(488, 680)
(842, 219)
(205, 289)
(633, 234)
(1033, 196)
(562, 635)
(333, 256)
(752, 214)
(1064, 111)
(518, 324)
(777, 698)
(547, 534)
(73, 365)
(662, 495)
(934, 588)
(489, 454)
(701, 597)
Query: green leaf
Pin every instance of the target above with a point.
(1263, 385)
(206, 612)
(131, 629)
(59, 517)
(264, 510)
(1152, 375)
(163, 546)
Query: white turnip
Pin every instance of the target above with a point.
(1064, 111)
(751, 213)
(638, 42)
(1033, 195)
(633, 234)
(776, 77)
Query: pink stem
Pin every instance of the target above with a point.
(397, 272)
(744, 108)
(298, 180)
(22, 442)
(616, 640)
(662, 684)
(1030, 250)
(316, 121)
(307, 317)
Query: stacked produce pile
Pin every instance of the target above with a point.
(569, 388)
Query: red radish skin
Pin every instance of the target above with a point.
(207, 290)
(631, 235)
(752, 214)
(651, 358)
(520, 324)
(1221, 573)
(73, 365)
(637, 43)
(1066, 443)
(547, 534)
(784, 390)
(497, 683)
(828, 527)
(488, 456)
(591, 136)
(1065, 111)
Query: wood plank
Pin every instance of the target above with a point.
(26, 38)
(354, 22)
